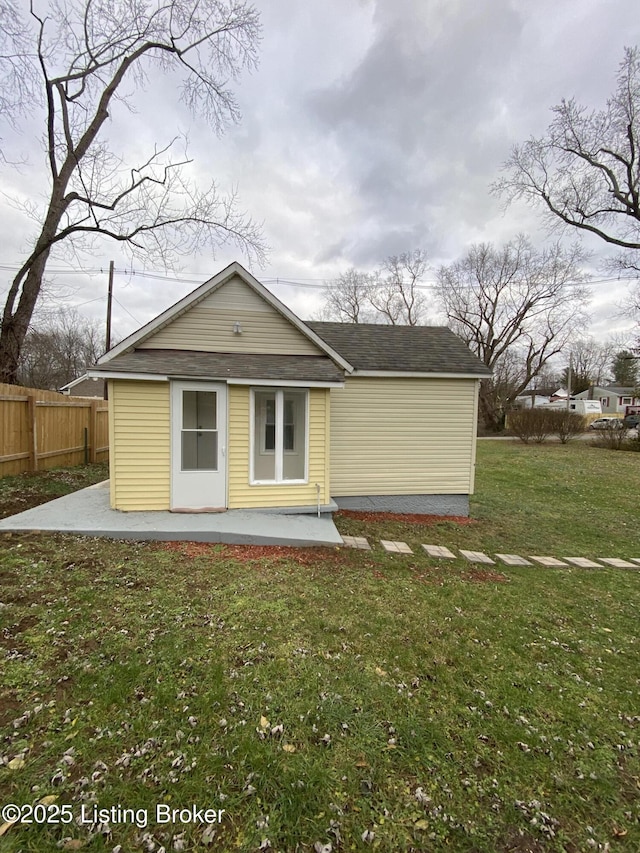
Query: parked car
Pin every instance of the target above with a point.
(606, 423)
(631, 421)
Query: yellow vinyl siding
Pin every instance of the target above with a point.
(244, 495)
(140, 438)
(403, 436)
(208, 326)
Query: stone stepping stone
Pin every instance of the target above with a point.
(617, 563)
(583, 563)
(513, 560)
(358, 542)
(439, 551)
(548, 561)
(395, 547)
(636, 560)
(477, 557)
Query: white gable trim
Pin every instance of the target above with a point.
(75, 382)
(209, 287)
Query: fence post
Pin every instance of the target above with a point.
(32, 432)
(93, 432)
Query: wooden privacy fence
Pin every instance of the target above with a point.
(44, 429)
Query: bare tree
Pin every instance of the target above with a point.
(515, 309)
(390, 294)
(59, 349)
(16, 77)
(585, 171)
(347, 300)
(591, 364)
(82, 60)
(394, 294)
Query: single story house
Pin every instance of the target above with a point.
(228, 400)
(614, 399)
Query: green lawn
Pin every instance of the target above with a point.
(359, 700)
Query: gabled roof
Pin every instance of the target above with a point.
(200, 293)
(371, 347)
(368, 348)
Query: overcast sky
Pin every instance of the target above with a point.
(371, 127)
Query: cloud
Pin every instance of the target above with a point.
(371, 127)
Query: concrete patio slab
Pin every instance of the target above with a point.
(88, 513)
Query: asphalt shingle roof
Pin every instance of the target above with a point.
(222, 365)
(415, 349)
(620, 390)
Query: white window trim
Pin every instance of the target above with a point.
(279, 452)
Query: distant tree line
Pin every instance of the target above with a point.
(59, 349)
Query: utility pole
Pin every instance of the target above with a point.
(109, 304)
(569, 380)
(108, 336)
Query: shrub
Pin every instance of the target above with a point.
(611, 438)
(567, 425)
(632, 444)
(538, 424)
(531, 424)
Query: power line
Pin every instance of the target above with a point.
(127, 310)
(305, 283)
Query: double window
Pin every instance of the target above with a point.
(279, 431)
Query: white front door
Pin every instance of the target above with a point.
(198, 446)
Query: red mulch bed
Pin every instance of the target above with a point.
(405, 517)
(255, 553)
(330, 557)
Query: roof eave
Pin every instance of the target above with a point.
(420, 374)
(137, 375)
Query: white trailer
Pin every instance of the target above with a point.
(580, 407)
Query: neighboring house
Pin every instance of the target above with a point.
(228, 400)
(84, 386)
(614, 399)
